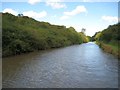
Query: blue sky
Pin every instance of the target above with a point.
(93, 16)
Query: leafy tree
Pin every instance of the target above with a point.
(83, 30)
(20, 15)
(108, 35)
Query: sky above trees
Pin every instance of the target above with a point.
(93, 16)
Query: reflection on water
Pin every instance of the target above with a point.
(78, 66)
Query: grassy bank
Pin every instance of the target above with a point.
(110, 48)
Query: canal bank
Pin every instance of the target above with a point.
(109, 48)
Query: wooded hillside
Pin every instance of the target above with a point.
(22, 34)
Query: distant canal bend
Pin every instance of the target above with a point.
(77, 66)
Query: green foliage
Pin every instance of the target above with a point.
(108, 35)
(97, 36)
(22, 34)
(84, 37)
(111, 34)
(109, 39)
(89, 38)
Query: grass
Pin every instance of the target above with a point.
(112, 48)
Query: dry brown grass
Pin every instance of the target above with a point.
(108, 48)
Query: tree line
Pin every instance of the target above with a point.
(22, 34)
(109, 39)
(109, 35)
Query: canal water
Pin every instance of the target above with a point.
(77, 66)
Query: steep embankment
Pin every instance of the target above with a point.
(22, 34)
(109, 39)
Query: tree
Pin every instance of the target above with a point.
(20, 15)
(83, 30)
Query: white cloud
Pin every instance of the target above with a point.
(33, 1)
(32, 14)
(9, 10)
(55, 4)
(110, 18)
(35, 14)
(64, 17)
(77, 10)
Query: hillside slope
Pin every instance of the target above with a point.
(22, 34)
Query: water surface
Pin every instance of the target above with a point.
(77, 66)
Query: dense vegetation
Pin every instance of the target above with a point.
(109, 39)
(22, 34)
(85, 39)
